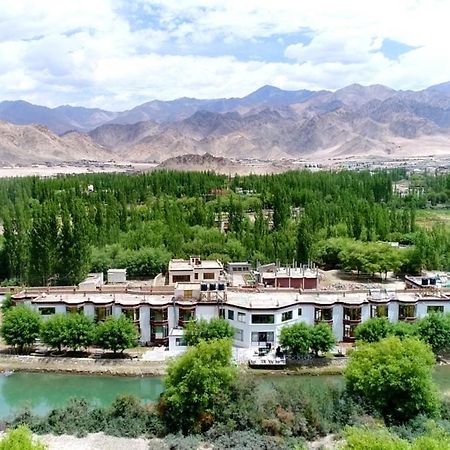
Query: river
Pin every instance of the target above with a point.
(43, 391)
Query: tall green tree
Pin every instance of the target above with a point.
(116, 334)
(204, 330)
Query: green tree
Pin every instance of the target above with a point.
(205, 330)
(373, 330)
(434, 329)
(116, 334)
(296, 339)
(20, 438)
(80, 331)
(393, 377)
(20, 327)
(196, 383)
(7, 303)
(321, 338)
(53, 331)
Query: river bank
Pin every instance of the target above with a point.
(140, 367)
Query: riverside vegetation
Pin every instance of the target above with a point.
(388, 401)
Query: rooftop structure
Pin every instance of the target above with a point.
(194, 270)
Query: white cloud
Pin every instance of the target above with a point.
(100, 53)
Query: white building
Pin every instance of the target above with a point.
(257, 317)
(194, 270)
(117, 276)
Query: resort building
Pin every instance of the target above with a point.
(194, 270)
(257, 316)
(303, 277)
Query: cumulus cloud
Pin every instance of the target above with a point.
(117, 53)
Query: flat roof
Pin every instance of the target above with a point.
(185, 265)
(117, 270)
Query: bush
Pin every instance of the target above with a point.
(393, 377)
(80, 331)
(21, 326)
(321, 338)
(295, 339)
(435, 330)
(373, 330)
(20, 438)
(116, 334)
(53, 331)
(205, 330)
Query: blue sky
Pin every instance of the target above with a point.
(115, 54)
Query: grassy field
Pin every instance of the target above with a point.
(427, 217)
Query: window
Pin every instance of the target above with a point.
(102, 313)
(379, 311)
(131, 313)
(180, 342)
(435, 309)
(208, 276)
(299, 311)
(222, 313)
(263, 318)
(158, 315)
(187, 293)
(241, 317)
(352, 314)
(196, 276)
(349, 330)
(230, 314)
(286, 316)
(47, 311)
(160, 332)
(239, 334)
(323, 314)
(181, 278)
(406, 312)
(74, 310)
(185, 315)
(262, 336)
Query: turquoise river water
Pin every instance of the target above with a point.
(43, 391)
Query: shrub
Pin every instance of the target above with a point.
(116, 334)
(53, 331)
(321, 338)
(373, 330)
(393, 377)
(80, 331)
(196, 331)
(21, 326)
(295, 339)
(20, 438)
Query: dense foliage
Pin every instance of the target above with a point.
(207, 330)
(20, 438)
(55, 230)
(300, 339)
(20, 327)
(393, 378)
(116, 334)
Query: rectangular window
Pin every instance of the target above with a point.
(74, 310)
(349, 330)
(406, 312)
(160, 332)
(158, 315)
(379, 311)
(196, 276)
(262, 336)
(323, 314)
(230, 314)
(241, 317)
(180, 342)
(222, 313)
(353, 314)
(102, 313)
(435, 309)
(299, 312)
(181, 279)
(131, 313)
(286, 316)
(47, 311)
(239, 335)
(263, 318)
(187, 294)
(208, 276)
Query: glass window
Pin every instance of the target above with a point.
(299, 312)
(323, 314)
(263, 318)
(160, 331)
(131, 313)
(208, 276)
(47, 311)
(196, 275)
(230, 314)
(158, 315)
(241, 317)
(222, 313)
(102, 313)
(180, 342)
(349, 330)
(262, 336)
(187, 293)
(435, 309)
(74, 310)
(181, 278)
(287, 315)
(379, 311)
(239, 334)
(352, 313)
(187, 314)
(406, 312)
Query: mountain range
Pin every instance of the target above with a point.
(269, 123)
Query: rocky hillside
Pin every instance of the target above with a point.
(268, 124)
